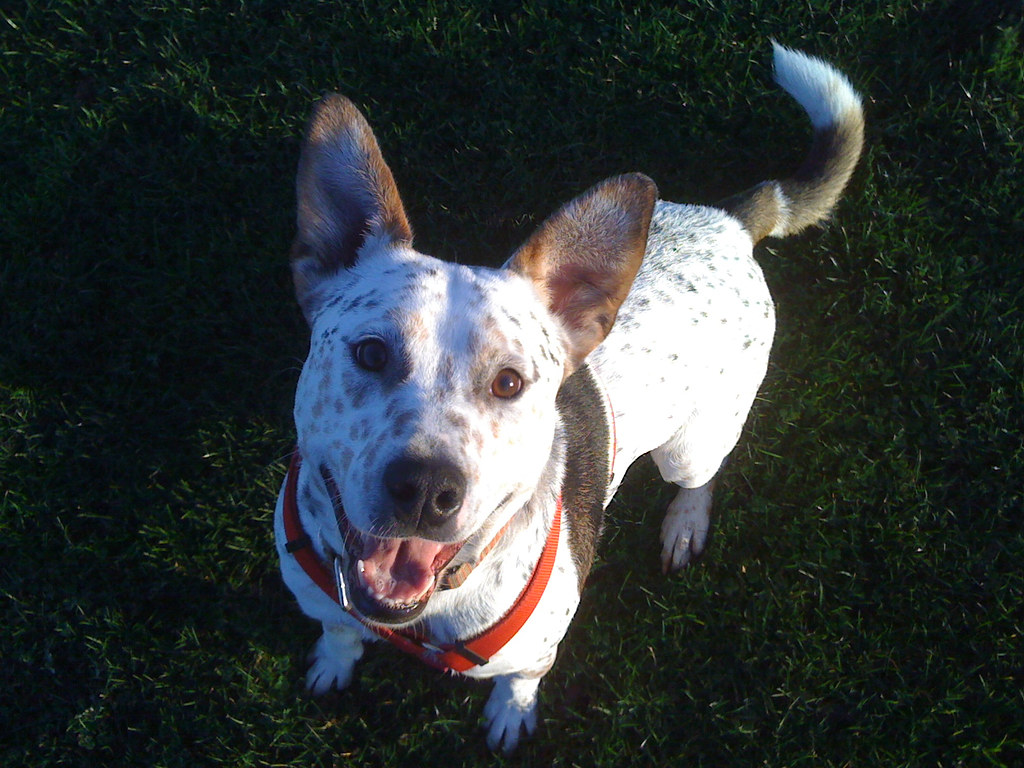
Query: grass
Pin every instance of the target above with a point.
(861, 603)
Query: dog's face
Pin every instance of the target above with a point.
(427, 402)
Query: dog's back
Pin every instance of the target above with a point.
(690, 347)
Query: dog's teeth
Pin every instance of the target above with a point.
(379, 587)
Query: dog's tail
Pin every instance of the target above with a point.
(780, 208)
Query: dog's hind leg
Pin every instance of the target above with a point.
(684, 531)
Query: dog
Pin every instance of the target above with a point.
(462, 429)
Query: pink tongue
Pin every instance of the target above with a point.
(400, 570)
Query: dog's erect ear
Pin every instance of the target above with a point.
(346, 193)
(583, 259)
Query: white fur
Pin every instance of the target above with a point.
(511, 709)
(821, 90)
(684, 531)
(332, 659)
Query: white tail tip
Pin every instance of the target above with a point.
(824, 92)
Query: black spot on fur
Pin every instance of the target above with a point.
(400, 423)
(356, 391)
(512, 318)
(457, 421)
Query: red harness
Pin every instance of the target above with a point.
(460, 656)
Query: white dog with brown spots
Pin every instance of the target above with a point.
(461, 429)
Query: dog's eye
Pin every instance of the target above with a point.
(506, 384)
(371, 354)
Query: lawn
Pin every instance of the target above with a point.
(862, 602)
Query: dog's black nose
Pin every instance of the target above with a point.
(426, 492)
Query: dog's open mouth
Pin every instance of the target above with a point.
(389, 580)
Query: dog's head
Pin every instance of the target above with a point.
(426, 404)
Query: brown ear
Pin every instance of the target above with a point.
(346, 193)
(583, 259)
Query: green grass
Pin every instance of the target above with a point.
(862, 601)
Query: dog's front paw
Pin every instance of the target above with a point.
(684, 531)
(511, 708)
(332, 659)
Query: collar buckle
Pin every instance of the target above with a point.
(341, 583)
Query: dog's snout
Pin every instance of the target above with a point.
(426, 493)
